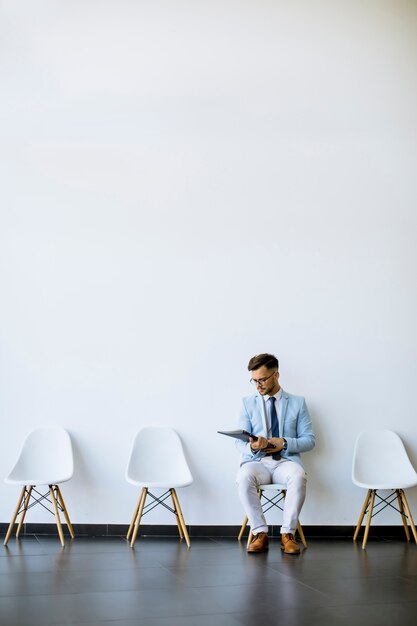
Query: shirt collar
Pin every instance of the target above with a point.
(277, 396)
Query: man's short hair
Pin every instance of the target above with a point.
(269, 360)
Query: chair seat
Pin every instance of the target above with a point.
(40, 480)
(401, 484)
(158, 484)
(273, 487)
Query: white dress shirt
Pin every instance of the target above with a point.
(278, 406)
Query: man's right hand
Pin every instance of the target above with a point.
(259, 444)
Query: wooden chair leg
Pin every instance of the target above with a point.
(57, 519)
(361, 516)
(403, 515)
(180, 516)
(301, 533)
(181, 534)
(408, 512)
(135, 514)
(64, 510)
(368, 521)
(15, 514)
(139, 515)
(180, 531)
(24, 511)
(243, 528)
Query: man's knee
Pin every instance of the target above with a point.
(297, 478)
(246, 478)
(249, 476)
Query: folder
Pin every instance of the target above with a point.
(243, 435)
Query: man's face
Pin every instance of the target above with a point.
(266, 380)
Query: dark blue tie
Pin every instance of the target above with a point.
(274, 423)
(274, 417)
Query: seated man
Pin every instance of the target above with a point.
(281, 420)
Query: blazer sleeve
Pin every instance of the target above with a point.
(304, 439)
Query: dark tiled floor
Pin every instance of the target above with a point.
(216, 583)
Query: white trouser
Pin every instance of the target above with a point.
(255, 473)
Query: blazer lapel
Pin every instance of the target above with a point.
(284, 404)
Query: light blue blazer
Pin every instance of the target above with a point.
(294, 425)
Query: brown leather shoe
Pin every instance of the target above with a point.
(289, 544)
(259, 543)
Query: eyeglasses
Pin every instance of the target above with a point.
(261, 381)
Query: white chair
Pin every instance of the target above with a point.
(380, 462)
(157, 461)
(45, 459)
(268, 501)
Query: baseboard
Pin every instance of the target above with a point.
(113, 530)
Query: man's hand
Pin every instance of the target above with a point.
(278, 442)
(259, 444)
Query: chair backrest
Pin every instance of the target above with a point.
(45, 459)
(157, 459)
(380, 461)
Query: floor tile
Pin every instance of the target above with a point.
(193, 620)
(363, 615)
(224, 574)
(95, 607)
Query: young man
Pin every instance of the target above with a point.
(280, 419)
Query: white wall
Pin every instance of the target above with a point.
(185, 184)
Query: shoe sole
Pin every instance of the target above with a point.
(257, 551)
(292, 553)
